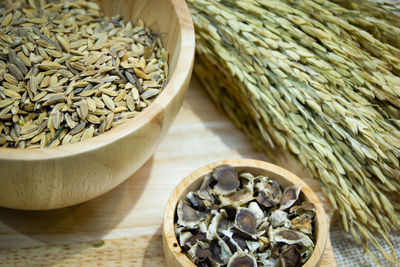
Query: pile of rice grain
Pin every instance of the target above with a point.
(67, 73)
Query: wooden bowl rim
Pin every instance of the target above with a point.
(184, 64)
(169, 237)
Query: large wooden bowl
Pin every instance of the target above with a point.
(173, 252)
(39, 179)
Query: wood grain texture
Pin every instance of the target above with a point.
(39, 179)
(129, 217)
(172, 250)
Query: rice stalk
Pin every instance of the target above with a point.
(287, 79)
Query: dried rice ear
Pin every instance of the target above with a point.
(246, 222)
(290, 196)
(242, 259)
(227, 179)
(290, 257)
(187, 216)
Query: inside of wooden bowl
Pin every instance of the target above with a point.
(158, 15)
(171, 19)
(282, 176)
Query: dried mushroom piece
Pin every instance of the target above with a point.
(257, 211)
(263, 199)
(213, 227)
(203, 227)
(247, 180)
(226, 252)
(274, 189)
(265, 259)
(224, 224)
(305, 207)
(241, 259)
(227, 179)
(290, 237)
(279, 218)
(264, 226)
(246, 222)
(233, 246)
(252, 245)
(203, 192)
(196, 202)
(240, 241)
(215, 250)
(302, 223)
(199, 252)
(196, 238)
(238, 198)
(234, 241)
(270, 187)
(290, 196)
(269, 192)
(187, 216)
(237, 219)
(184, 238)
(290, 257)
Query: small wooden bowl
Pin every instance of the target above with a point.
(39, 179)
(172, 250)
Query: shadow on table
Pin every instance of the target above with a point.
(202, 105)
(154, 255)
(89, 221)
(217, 122)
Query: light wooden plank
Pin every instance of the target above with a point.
(129, 217)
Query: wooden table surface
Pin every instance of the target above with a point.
(129, 217)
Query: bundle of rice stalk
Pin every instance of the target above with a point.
(315, 77)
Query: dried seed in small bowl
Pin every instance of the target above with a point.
(239, 226)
